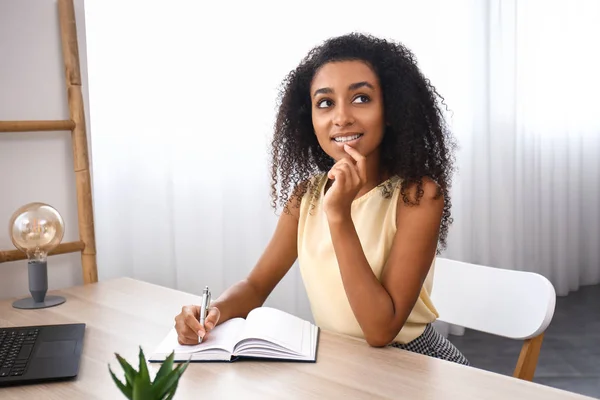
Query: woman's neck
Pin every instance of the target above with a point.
(375, 174)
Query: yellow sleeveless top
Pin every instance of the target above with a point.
(374, 218)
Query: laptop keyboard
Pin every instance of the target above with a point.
(16, 346)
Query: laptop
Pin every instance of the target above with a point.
(43, 353)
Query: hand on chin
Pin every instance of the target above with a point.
(349, 175)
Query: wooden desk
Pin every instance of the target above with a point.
(123, 313)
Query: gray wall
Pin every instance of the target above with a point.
(36, 166)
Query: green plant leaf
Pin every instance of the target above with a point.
(166, 367)
(144, 375)
(130, 373)
(183, 367)
(142, 389)
(126, 389)
(172, 392)
(164, 385)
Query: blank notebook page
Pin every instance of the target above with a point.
(278, 327)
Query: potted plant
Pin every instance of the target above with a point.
(138, 384)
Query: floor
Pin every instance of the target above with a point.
(570, 355)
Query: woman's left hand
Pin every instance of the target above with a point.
(349, 175)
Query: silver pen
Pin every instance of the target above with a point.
(204, 308)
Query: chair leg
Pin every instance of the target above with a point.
(528, 358)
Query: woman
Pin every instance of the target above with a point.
(361, 164)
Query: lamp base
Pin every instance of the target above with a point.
(29, 303)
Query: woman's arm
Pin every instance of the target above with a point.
(277, 259)
(251, 292)
(382, 308)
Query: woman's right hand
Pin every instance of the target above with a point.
(188, 326)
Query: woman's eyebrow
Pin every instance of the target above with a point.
(353, 86)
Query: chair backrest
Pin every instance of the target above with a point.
(508, 303)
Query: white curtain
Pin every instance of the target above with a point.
(528, 193)
(182, 100)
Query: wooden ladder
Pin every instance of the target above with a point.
(87, 242)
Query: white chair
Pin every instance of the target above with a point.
(513, 304)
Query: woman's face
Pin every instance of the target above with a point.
(347, 108)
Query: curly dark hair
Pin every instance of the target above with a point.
(416, 143)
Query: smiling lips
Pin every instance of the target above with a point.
(347, 138)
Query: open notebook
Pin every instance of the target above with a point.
(266, 333)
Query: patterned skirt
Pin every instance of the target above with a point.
(432, 343)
